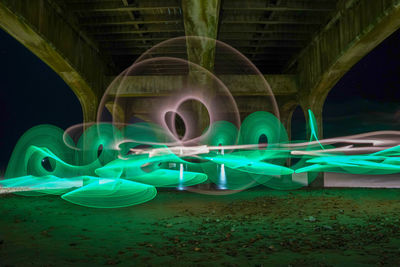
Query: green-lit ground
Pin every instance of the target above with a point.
(331, 227)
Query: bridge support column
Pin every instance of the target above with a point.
(117, 112)
(201, 19)
(316, 107)
(286, 112)
(89, 110)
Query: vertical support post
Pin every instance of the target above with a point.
(201, 19)
(89, 109)
(316, 108)
(117, 111)
(286, 112)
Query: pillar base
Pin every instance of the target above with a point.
(318, 182)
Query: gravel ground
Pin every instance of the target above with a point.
(259, 227)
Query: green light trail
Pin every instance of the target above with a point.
(109, 167)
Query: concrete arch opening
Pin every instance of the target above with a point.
(299, 130)
(55, 39)
(31, 94)
(365, 100)
(340, 45)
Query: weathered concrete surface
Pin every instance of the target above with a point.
(287, 104)
(239, 85)
(246, 89)
(48, 32)
(146, 105)
(358, 27)
(201, 19)
(250, 84)
(118, 112)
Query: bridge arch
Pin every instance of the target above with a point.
(50, 34)
(357, 28)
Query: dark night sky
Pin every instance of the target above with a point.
(366, 98)
(31, 94)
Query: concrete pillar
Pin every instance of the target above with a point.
(117, 112)
(201, 20)
(89, 110)
(286, 112)
(316, 108)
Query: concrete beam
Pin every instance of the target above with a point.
(119, 7)
(144, 94)
(43, 28)
(249, 84)
(134, 37)
(147, 105)
(100, 21)
(266, 37)
(235, 43)
(127, 29)
(169, 51)
(275, 28)
(320, 6)
(239, 85)
(245, 20)
(324, 6)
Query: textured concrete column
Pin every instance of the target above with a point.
(357, 28)
(316, 108)
(89, 110)
(117, 111)
(201, 19)
(286, 112)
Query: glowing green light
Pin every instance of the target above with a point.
(109, 167)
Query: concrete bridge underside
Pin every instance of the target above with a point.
(302, 48)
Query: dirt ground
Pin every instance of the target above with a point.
(259, 227)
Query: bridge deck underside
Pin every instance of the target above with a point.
(270, 33)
